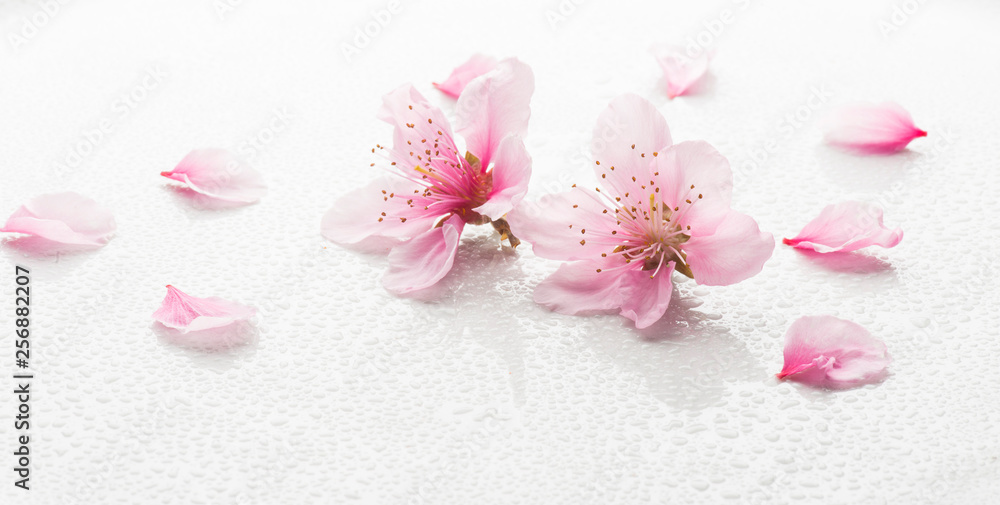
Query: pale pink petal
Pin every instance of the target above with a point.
(846, 227)
(680, 71)
(425, 259)
(872, 128)
(188, 313)
(578, 288)
(493, 106)
(65, 218)
(735, 252)
(358, 215)
(645, 297)
(629, 134)
(477, 65)
(696, 181)
(824, 351)
(415, 122)
(565, 226)
(219, 174)
(511, 172)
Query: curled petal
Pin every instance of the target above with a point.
(566, 226)
(872, 128)
(846, 227)
(577, 288)
(735, 252)
(680, 71)
(511, 172)
(824, 351)
(645, 297)
(628, 133)
(188, 313)
(219, 174)
(477, 65)
(65, 218)
(493, 106)
(425, 259)
(376, 210)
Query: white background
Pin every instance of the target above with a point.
(349, 395)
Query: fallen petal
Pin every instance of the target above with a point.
(188, 313)
(872, 128)
(219, 174)
(681, 71)
(824, 351)
(846, 227)
(65, 218)
(477, 65)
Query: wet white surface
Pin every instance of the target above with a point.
(346, 394)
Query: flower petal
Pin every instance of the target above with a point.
(735, 252)
(872, 128)
(219, 174)
(645, 298)
(511, 172)
(477, 65)
(628, 133)
(188, 313)
(358, 215)
(425, 259)
(696, 179)
(495, 105)
(680, 71)
(565, 226)
(66, 218)
(578, 288)
(846, 227)
(417, 123)
(824, 351)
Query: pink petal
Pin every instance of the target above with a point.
(188, 313)
(219, 174)
(645, 297)
(414, 120)
(357, 215)
(696, 179)
(425, 259)
(680, 71)
(557, 226)
(872, 128)
(495, 105)
(627, 134)
(824, 351)
(735, 252)
(846, 227)
(511, 172)
(477, 65)
(65, 218)
(578, 288)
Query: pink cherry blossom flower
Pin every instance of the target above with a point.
(846, 227)
(681, 72)
(477, 65)
(872, 128)
(433, 190)
(824, 351)
(660, 208)
(188, 313)
(64, 218)
(219, 174)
